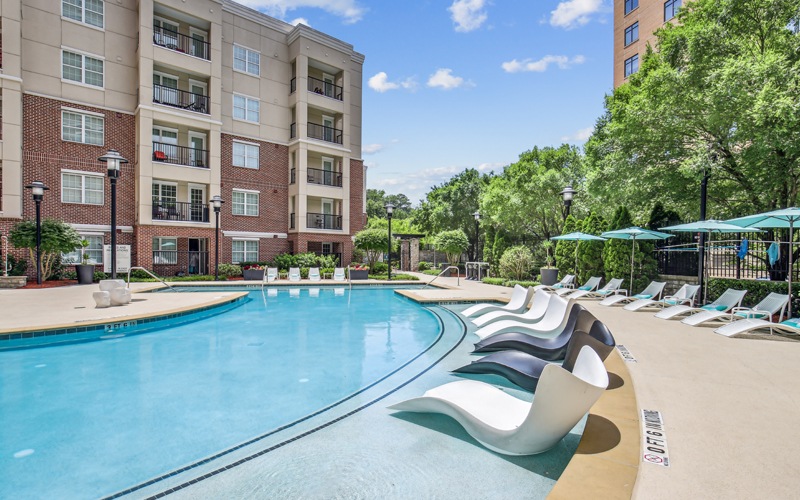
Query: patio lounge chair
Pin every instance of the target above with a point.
(685, 295)
(729, 299)
(653, 291)
(338, 274)
(590, 285)
(294, 274)
(771, 304)
(313, 274)
(541, 299)
(568, 281)
(512, 426)
(520, 297)
(789, 327)
(525, 370)
(559, 314)
(611, 288)
(271, 274)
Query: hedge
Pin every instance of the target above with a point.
(757, 290)
(509, 283)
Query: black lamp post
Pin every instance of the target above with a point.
(389, 209)
(567, 195)
(38, 188)
(113, 161)
(216, 202)
(477, 216)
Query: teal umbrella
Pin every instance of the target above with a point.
(635, 233)
(577, 237)
(782, 218)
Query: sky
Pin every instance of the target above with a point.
(456, 84)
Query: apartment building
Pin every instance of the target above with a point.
(635, 23)
(204, 98)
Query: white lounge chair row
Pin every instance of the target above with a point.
(294, 274)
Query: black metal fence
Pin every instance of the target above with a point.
(176, 263)
(324, 133)
(180, 155)
(181, 43)
(180, 99)
(324, 177)
(323, 221)
(179, 211)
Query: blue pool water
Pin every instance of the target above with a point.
(89, 419)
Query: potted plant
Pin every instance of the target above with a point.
(359, 272)
(253, 272)
(549, 273)
(84, 270)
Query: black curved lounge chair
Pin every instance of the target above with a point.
(548, 349)
(524, 369)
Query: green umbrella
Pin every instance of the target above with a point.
(635, 233)
(577, 237)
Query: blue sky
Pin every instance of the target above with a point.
(455, 84)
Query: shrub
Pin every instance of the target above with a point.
(140, 275)
(385, 276)
(590, 253)
(565, 249)
(16, 267)
(452, 243)
(57, 237)
(99, 275)
(307, 259)
(493, 281)
(424, 266)
(284, 261)
(516, 263)
(230, 270)
(525, 283)
(69, 275)
(192, 277)
(757, 290)
(379, 268)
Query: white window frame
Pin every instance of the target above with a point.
(247, 100)
(83, 114)
(76, 256)
(82, 20)
(83, 55)
(83, 175)
(160, 239)
(245, 251)
(247, 63)
(247, 203)
(247, 149)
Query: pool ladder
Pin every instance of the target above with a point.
(458, 278)
(151, 274)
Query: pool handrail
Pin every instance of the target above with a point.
(151, 274)
(458, 278)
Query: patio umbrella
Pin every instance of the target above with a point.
(784, 217)
(635, 233)
(577, 237)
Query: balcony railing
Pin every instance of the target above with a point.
(180, 99)
(175, 263)
(292, 176)
(181, 43)
(325, 88)
(323, 221)
(324, 177)
(180, 155)
(291, 221)
(165, 209)
(323, 133)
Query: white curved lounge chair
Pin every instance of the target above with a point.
(611, 288)
(729, 299)
(789, 327)
(685, 295)
(553, 322)
(313, 274)
(653, 291)
(590, 286)
(568, 281)
(338, 274)
(770, 305)
(541, 299)
(520, 297)
(294, 274)
(271, 274)
(512, 426)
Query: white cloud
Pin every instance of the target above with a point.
(581, 135)
(349, 10)
(416, 185)
(490, 167)
(574, 13)
(563, 62)
(300, 20)
(371, 149)
(380, 83)
(444, 79)
(468, 15)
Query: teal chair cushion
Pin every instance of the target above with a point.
(712, 307)
(585, 288)
(794, 323)
(642, 296)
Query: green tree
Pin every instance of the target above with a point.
(377, 200)
(516, 263)
(590, 253)
(373, 242)
(617, 253)
(565, 249)
(453, 243)
(57, 238)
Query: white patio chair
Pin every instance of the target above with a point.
(271, 274)
(313, 274)
(553, 322)
(789, 327)
(685, 295)
(590, 286)
(294, 274)
(338, 274)
(541, 299)
(520, 297)
(772, 304)
(611, 288)
(729, 299)
(653, 291)
(568, 281)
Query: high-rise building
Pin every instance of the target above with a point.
(204, 98)
(635, 22)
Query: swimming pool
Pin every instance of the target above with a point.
(92, 419)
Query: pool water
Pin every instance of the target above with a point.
(89, 419)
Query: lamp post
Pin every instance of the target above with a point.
(38, 188)
(216, 202)
(477, 216)
(389, 209)
(567, 195)
(113, 161)
(701, 255)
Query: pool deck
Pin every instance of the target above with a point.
(730, 406)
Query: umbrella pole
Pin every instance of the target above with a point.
(577, 242)
(633, 249)
(791, 239)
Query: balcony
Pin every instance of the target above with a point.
(180, 99)
(323, 221)
(323, 133)
(165, 209)
(320, 87)
(180, 155)
(178, 42)
(324, 177)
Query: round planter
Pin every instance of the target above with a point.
(549, 275)
(85, 273)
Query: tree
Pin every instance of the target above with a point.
(377, 200)
(57, 238)
(516, 263)
(590, 253)
(373, 242)
(452, 243)
(565, 249)
(616, 252)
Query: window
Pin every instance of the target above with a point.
(165, 250)
(82, 69)
(81, 188)
(246, 60)
(245, 202)
(78, 127)
(244, 251)
(631, 65)
(245, 108)
(630, 5)
(671, 9)
(84, 11)
(165, 194)
(631, 33)
(93, 253)
(245, 155)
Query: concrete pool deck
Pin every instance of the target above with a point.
(730, 405)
